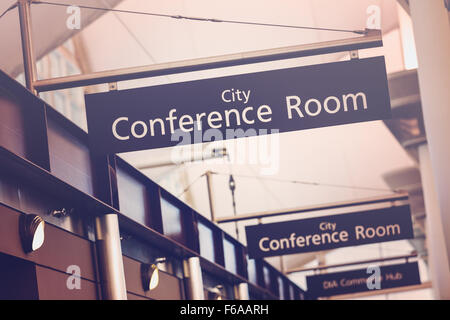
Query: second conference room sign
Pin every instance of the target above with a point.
(329, 232)
(346, 282)
(238, 106)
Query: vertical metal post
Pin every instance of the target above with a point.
(432, 35)
(210, 195)
(242, 291)
(110, 257)
(193, 274)
(29, 63)
(439, 270)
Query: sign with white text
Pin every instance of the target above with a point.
(238, 106)
(372, 278)
(329, 232)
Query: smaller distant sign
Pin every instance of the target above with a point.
(390, 276)
(329, 232)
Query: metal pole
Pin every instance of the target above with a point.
(110, 257)
(29, 64)
(439, 270)
(242, 291)
(193, 274)
(371, 39)
(210, 195)
(327, 206)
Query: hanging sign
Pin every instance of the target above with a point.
(329, 232)
(238, 106)
(387, 277)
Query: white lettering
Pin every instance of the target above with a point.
(114, 128)
(295, 106)
(260, 113)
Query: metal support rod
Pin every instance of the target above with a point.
(29, 63)
(210, 195)
(110, 257)
(371, 39)
(327, 206)
(406, 257)
(193, 274)
(191, 159)
(241, 290)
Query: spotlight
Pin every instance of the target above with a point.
(215, 293)
(150, 274)
(31, 230)
(61, 213)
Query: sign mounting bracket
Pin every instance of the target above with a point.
(354, 54)
(112, 86)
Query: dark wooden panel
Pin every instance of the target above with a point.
(29, 174)
(169, 287)
(17, 279)
(60, 249)
(12, 130)
(32, 198)
(9, 190)
(69, 158)
(52, 285)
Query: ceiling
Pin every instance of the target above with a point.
(48, 27)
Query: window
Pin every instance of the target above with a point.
(206, 242)
(230, 256)
(281, 288)
(172, 221)
(266, 273)
(252, 275)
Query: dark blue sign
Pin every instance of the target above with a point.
(337, 283)
(329, 232)
(238, 106)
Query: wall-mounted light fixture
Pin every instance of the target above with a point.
(61, 212)
(150, 274)
(215, 293)
(31, 231)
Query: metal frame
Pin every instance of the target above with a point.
(326, 206)
(29, 62)
(406, 257)
(371, 39)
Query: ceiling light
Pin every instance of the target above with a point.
(31, 230)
